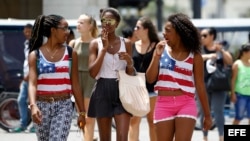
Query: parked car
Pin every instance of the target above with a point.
(11, 59)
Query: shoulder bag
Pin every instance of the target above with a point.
(133, 93)
(220, 79)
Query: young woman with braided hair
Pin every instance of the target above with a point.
(177, 66)
(52, 79)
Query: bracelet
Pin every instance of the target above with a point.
(132, 65)
(82, 114)
(31, 105)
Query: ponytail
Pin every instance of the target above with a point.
(37, 34)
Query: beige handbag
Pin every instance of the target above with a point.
(133, 93)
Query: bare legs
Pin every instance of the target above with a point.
(134, 128)
(122, 126)
(90, 124)
(174, 129)
(150, 119)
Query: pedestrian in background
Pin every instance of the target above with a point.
(53, 77)
(213, 51)
(177, 67)
(87, 27)
(240, 83)
(142, 55)
(109, 53)
(71, 36)
(23, 93)
(128, 32)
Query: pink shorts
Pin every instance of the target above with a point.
(170, 107)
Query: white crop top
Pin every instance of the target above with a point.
(111, 62)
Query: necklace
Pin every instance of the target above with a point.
(51, 56)
(178, 56)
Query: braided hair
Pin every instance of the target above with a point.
(188, 33)
(41, 29)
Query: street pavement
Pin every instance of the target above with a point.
(75, 135)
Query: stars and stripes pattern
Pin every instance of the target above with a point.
(174, 74)
(54, 77)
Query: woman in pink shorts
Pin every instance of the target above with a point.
(177, 66)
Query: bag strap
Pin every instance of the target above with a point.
(135, 72)
(143, 57)
(37, 59)
(70, 50)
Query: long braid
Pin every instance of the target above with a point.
(37, 38)
(188, 32)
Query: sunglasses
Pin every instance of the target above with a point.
(204, 35)
(108, 21)
(64, 28)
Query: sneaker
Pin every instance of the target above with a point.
(17, 130)
(32, 129)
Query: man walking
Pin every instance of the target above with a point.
(23, 93)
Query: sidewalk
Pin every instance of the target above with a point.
(75, 135)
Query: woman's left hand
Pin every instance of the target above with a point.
(81, 121)
(207, 123)
(125, 56)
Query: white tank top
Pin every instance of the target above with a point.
(111, 62)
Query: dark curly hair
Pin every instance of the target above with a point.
(188, 33)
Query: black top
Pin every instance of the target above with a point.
(219, 62)
(141, 64)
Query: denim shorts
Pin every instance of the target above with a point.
(171, 107)
(152, 94)
(242, 105)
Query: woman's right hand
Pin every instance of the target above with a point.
(104, 37)
(212, 56)
(160, 48)
(36, 114)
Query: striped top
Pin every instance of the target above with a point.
(174, 74)
(54, 77)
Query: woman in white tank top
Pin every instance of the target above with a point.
(108, 54)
